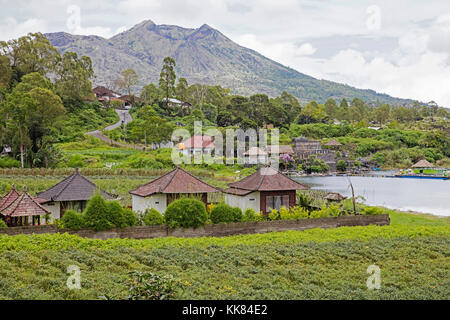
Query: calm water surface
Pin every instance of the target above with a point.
(420, 195)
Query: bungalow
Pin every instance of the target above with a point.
(159, 193)
(197, 145)
(105, 94)
(71, 193)
(281, 149)
(263, 191)
(255, 155)
(18, 211)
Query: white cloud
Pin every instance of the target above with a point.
(306, 49)
(11, 29)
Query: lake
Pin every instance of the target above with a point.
(420, 195)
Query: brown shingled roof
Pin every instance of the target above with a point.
(265, 179)
(175, 181)
(74, 188)
(333, 143)
(9, 198)
(281, 149)
(24, 205)
(423, 164)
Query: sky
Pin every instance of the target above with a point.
(398, 47)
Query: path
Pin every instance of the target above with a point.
(124, 117)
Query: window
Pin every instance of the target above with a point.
(276, 202)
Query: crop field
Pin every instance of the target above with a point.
(412, 254)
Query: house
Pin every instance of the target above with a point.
(105, 94)
(304, 148)
(12, 195)
(281, 149)
(255, 155)
(71, 193)
(197, 145)
(159, 193)
(6, 150)
(129, 100)
(178, 103)
(19, 211)
(263, 191)
(333, 143)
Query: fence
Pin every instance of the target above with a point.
(212, 230)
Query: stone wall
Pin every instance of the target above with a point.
(212, 230)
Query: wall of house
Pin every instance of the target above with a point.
(54, 208)
(156, 201)
(252, 200)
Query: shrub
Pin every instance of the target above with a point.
(116, 214)
(186, 213)
(150, 286)
(341, 165)
(96, 214)
(299, 213)
(130, 218)
(3, 224)
(237, 214)
(274, 215)
(250, 215)
(153, 218)
(222, 213)
(372, 210)
(73, 220)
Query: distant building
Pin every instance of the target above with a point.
(304, 148)
(263, 191)
(255, 155)
(197, 145)
(179, 103)
(105, 94)
(281, 149)
(159, 193)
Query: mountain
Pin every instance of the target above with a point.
(203, 55)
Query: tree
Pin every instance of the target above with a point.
(30, 53)
(129, 78)
(150, 94)
(73, 76)
(5, 71)
(331, 108)
(167, 77)
(181, 89)
(381, 113)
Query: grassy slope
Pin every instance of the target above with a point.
(413, 254)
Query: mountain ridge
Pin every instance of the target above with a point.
(203, 55)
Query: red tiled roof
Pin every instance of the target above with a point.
(24, 205)
(175, 181)
(9, 198)
(199, 142)
(266, 179)
(74, 188)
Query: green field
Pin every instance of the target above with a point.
(413, 255)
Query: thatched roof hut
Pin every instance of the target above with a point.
(333, 143)
(423, 164)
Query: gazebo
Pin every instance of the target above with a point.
(159, 193)
(422, 165)
(17, 213)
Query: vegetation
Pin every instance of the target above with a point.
(153, 218)
(324, 264)
(223, 213)
(186, 213)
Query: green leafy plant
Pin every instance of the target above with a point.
(130, 217)
(186, 213)
(3, 224)
(222, 213)
(73, 220)
(116, 214)
(97, 215)
(153, 218)
(150, 286)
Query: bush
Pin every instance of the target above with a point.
(130, 218)
(97, 215)
(150, 286)
(341, 165)
(73, 220)
(237, 214)
(153, 218)
(249, 215)
(274, 215)
(116, 214)
(3, 224)
(223, 213)
(372, 210)
(186, 213)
